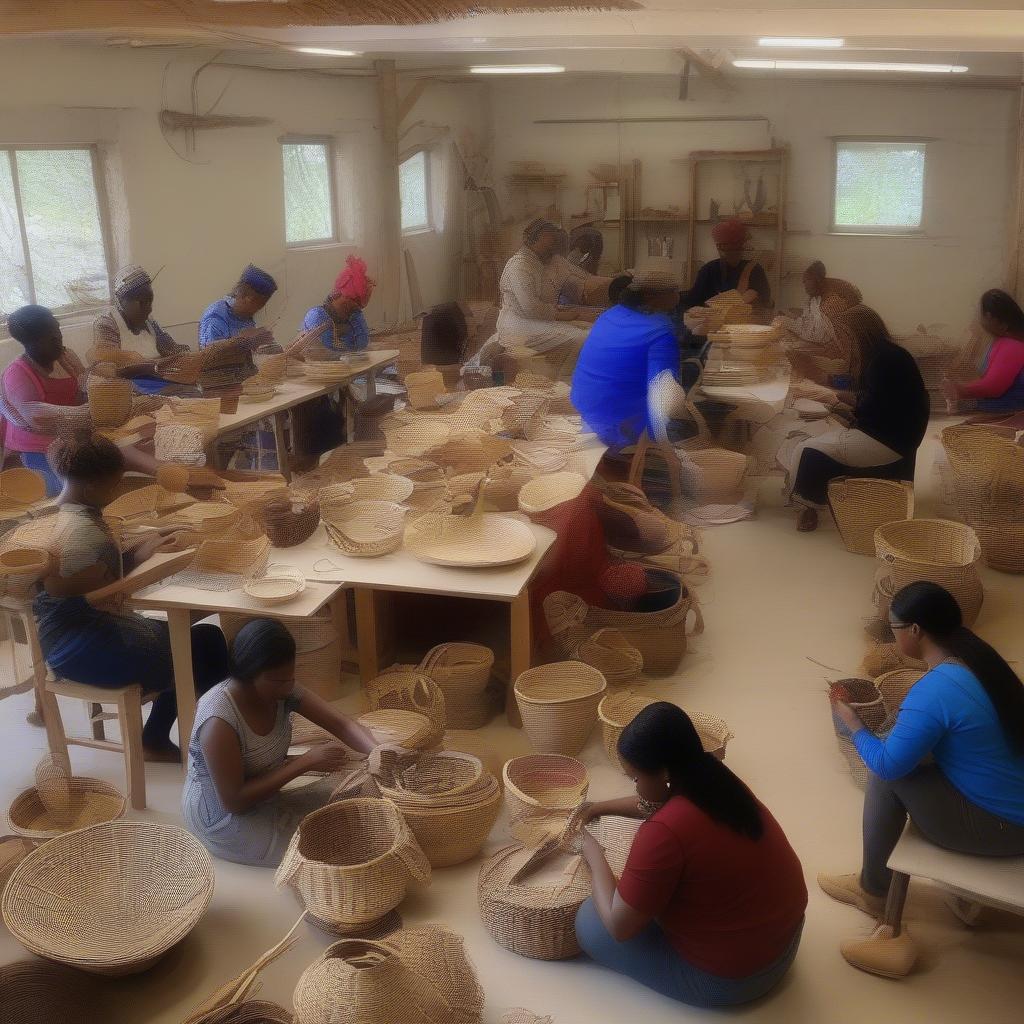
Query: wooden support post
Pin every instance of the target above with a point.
(1015, 263)
(389, 281)
(411, 98)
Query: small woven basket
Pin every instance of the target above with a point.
(276, 584)
(462, 672)
(404, 688)
(424, 388)
(112, 898)
(558, 703)
(611, 653)
(351, 863)
(365, 529)
(860, 505)
(541, 791)
(866, 699)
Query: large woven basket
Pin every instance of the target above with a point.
(351, 863)
(721, 474)
(536, 916)
(541, 791)
(420, 974)
(615, 712)
(404, 688)
(558, 703)
(462, 672)
(110, 899)
(934, 549)
(611, 653)
(860, 505)
(37, 992)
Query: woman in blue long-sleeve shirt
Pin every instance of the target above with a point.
(967, 713)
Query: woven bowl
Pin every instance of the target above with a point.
(24, 562)
(365, 529)
(860, 505)
(110, 899)
(545, 492)
(558, 703)
(541, 791)
(276, 584)
(611, 653)
(470, 541)
(615, 712)
(90, 802)
(382, 487)
(21, 486)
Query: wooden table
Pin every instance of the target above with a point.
(293, 392)
(180, 602)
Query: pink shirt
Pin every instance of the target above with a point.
(22, 384)
(1005, 364)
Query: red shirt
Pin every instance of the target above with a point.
(728, 904)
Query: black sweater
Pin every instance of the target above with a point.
(893, 407)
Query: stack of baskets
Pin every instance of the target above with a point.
(541, 792)
(861, 504)
(351, 863)
(933, 549)
(462, 672)
(448, 799)
(405, 688)
(558, 703)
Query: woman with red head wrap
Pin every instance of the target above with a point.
(341, 313)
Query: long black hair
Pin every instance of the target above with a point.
(260, 645)
(662, 738)
(1003, 307)
(935, 611)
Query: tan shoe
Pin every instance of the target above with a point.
(847, 889)
(882, 953)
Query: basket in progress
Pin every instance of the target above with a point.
(110, 400)
(894, 686)
(611, 653)
(534, 917)
(112, 898)
(558, 703)
(470, 541)
(944, 552)
(462, 672)
(632, 523)
(541, 791)
(424, 388)
(351, 863)
(713, 732)
(860, 505)
(365, 529)
(866, 699)
(615, 712)
(545, 492)
(404, 688)
(416, 975)
(289, 523)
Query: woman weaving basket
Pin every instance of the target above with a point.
(710, 907)
(234, 801)
(967, 712)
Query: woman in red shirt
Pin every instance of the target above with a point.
(710, 907)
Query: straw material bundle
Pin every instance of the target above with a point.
(462, 672)
(289, 523)
(112, 898)
(351, 863)
(934, 549)
(860, 505)
(365, 529)
(612, 655)
(536, 916)
(471, 541)
(541, 791)
(615, 712)
(424, 388)
(558, 703)
(415, 976)
(405, 688)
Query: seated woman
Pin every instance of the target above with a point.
(710, 907)
(233, 801)
(628, 347)
(41, 391)
(98, 644)
(827, 298)
(133, 311)
(967, 713)
(1000, 388)
(341, 312)
(888, 424)
(234, 315)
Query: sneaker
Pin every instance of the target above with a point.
(882, 953)
(847, 889)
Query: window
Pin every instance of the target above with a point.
(414, 188)
(309, 214)
(52, 240)
(879, 186)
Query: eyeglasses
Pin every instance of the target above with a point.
(901, 625)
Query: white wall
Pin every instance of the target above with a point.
(934, 278)
(204, 217)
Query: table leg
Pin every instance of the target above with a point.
(895, 902)
(349, 405)
(283, 465)
(180, 623)
(371, 383)
(367, 634)
(520, 653)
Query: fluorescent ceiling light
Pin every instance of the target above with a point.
(792, 41)
(517, 69)
(849, 65)
(321, 52)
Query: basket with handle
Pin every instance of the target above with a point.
(894, 686)
(632, 523)
(405, 688)
(462, 672)
(351, 863)
(944, 552)
(611, 653)
(861, 504)
(615, 712)
(541, 791)
(558, 703)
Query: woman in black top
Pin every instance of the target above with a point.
(888, 423)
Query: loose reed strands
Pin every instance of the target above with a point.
(462, 672)
(112, 898)
(860, 505)
(558, 703)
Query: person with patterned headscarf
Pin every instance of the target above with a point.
(341, 313)
(234, 315)
(732, 271)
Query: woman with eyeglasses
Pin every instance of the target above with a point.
(966, 717)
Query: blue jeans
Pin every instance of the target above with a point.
(651, 959)
(37, 462)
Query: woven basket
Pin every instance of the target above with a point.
(181, 442)
(894, 686)
(934, 549)
(541, 791)
(207, 518)
(536, 916)
(289, 523)
(252, 1011)
(404, 688)
(632, 523)
(417, 975)
(13, 850)
(864, 697)
(615, 712)
(110, 400)
(721, 474)
(408, 729)
(351, 863)
(884, 658)
(470, 541)
(545, 492)
(110, 899)
(382, 487)
(472, 452)
(462, 673)
(860, 505)
(21, 487)
(37, 992)
(276, 584)
(612, 655)
(559, 703)
(424, 388)
(365, 529)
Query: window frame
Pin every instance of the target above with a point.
(428, 226)
(329, 142)
(879, 229)
(7, 151)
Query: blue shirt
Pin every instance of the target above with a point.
(623, 353)
(354, 335)
(948, 714)
(219, 321)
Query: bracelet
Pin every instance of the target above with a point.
(647, 807)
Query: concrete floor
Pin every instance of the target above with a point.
(775, 599)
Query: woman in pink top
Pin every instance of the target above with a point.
(1000, 388)
(44, 387)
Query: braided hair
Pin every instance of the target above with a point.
(85, 456)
